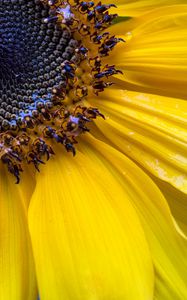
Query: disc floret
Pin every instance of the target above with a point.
(61, 114)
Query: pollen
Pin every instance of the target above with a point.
(51, 61)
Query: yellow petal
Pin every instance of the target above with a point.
(177, 202)
(167, 247)
(17, 274)
(87, 246)
(136, 8)
(150, 129)
(154, 58)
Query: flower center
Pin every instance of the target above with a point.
(50, 61)
(32, 51)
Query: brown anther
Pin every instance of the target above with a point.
(71, 23)
(48, 132)
(99, 86)
(29, 121)
(84, 30)
(8, 139)
(81, 91)
(96, 65)
(24, 139)
(66, 113)
(51, 114)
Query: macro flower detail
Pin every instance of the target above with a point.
(93, 95)
(51, 58)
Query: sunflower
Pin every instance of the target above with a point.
(93, 130)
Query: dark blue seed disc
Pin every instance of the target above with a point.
(31, 52)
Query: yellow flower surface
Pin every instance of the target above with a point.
(93, 130)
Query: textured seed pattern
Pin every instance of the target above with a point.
(31, 52)
(52, 60)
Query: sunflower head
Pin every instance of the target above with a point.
(51, 61)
